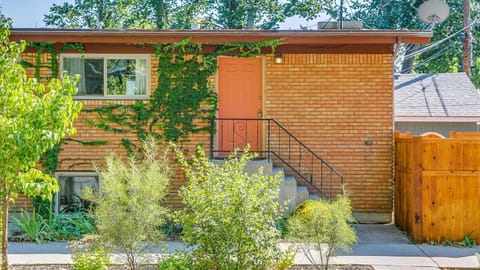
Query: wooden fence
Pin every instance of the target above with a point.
(437, 186)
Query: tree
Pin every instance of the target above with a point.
(245, 14)
(91, 14)
(123, 14)
(259, 14)
(33, 118)
(444, 57)
(172, 14)
(129, 207)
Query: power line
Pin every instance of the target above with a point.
(436, 55)
(438, 42)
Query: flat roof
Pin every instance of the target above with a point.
(290, 37)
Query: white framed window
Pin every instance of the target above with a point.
(109, 75)
(71, 185)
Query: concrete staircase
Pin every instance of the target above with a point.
(291, 193)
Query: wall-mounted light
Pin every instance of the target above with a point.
(278, 58)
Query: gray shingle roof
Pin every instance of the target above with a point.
(443, 94)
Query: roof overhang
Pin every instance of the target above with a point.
(436, 119)
(318, 37)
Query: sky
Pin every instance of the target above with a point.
(29, 14)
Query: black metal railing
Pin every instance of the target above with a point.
(271, 140)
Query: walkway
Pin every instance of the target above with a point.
(382, 246)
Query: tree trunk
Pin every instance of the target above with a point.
(160, 14)
(250, 24)
(4, 232)
(99, 23)
(251, 19)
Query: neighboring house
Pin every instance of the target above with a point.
(438, 103)
(333, 90)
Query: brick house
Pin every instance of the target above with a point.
(332, 90)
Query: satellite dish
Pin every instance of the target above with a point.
(433, 11)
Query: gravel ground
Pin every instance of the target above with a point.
(340, 267)
(153, 267)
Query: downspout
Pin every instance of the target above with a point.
(395, 54)
(397, 49)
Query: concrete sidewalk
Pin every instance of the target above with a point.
(382, 246)
(385, 247)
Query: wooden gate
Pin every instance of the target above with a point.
(437, 186)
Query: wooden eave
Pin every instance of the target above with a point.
(297, 38)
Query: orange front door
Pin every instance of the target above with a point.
(239, 97)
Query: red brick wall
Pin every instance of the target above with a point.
(22, 203)
(334, 103)
(76, 157)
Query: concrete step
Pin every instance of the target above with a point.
(301, 194)
(255, 164)
(252, 166)
(278, 170)
(288, 195)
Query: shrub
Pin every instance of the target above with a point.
(51, 227)
(322, 226)
(176, 262)
(87, 254)
(32, 224)
(83, 222)
(129, 207)
(229, 218)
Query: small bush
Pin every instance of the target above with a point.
(323, 226)
(89, 255)
(229, 218)
(286, 261)
(32, 224)
(52, 227)
(83, 222)
(281, 226)
(177, 262)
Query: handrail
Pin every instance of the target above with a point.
(307, 148)
(281, 145)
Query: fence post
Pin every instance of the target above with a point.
(417, 229)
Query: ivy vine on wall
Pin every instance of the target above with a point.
(49, 161)
(184, 99)
(182, 103)
(54, 51)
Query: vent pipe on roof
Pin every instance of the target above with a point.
(341, 14)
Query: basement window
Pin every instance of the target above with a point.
(68, 199)
(109, 76)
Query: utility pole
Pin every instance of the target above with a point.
(467, 39)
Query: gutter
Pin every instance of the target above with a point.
(317, 37)
(451, 119)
